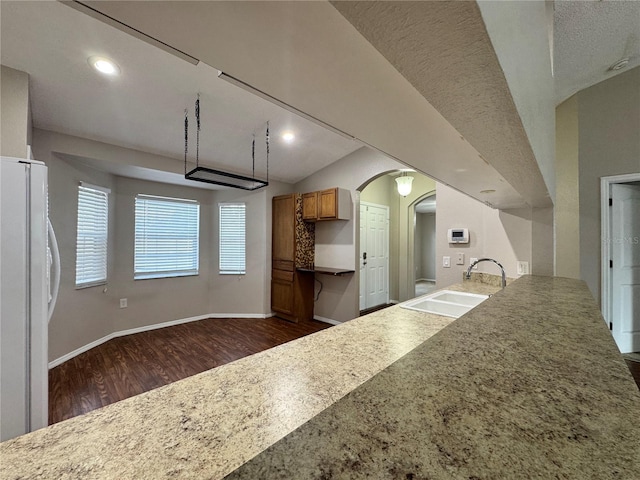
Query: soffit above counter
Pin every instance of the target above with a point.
(307, 55)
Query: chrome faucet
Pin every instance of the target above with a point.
(504, 276)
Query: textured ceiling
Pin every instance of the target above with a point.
(443, 50)
(588, 38)
(143, 107)
(420, 55)
(308, 55)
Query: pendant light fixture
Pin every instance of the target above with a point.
(220, 177)
(404, 184)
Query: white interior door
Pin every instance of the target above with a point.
(374, 255)
(625, 269)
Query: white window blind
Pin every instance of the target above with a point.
(232, 238)
(91, 239)
(166, 237)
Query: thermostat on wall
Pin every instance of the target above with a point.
(458, 235)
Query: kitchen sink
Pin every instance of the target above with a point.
(446, 302)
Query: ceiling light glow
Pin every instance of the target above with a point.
(404, 184)
(288, 136)
(104, 65)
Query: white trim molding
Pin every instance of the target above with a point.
(330, 321)
(146, 328)
(605, 245)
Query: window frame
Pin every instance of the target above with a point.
(146, 274)
(223, 249)
(98, 192)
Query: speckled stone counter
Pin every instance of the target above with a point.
(528, 385)
(207, 425)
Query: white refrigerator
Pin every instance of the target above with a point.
(27, 295)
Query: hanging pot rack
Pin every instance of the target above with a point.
(220, 177)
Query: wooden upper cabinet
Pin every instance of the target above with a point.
(310, 206)
(330, 204)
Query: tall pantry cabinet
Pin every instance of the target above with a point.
(293, 244)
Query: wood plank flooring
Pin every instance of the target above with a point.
(130, 365)
(127, 366)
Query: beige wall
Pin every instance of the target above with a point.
(567, 207)
(336, 241)
(609, 144)
(86, 315)
(542, 242)
(422, 187)
(425, 246)
(15, 116)
(156, 300)
(249, 293)
(502, 235)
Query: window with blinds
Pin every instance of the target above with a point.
(92, 232)
(166, 237)
(232, 239)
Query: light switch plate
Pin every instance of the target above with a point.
(460, 259)
(123, 303)
(446, 262)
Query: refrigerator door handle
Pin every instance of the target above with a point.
(55, 264)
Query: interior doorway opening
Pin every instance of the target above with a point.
(401, 272)
(424, 246)
(620, 282)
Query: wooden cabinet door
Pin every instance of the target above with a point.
(283, 239)
(328, 203)
(310, 206)
(282, 298)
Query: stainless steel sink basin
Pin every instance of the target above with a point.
(445, 302)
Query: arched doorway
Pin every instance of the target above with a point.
(381, 191)
(424, 251)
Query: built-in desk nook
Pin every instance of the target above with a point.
(293, 266)
(337, 272)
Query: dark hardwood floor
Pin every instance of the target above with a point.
(130, 365)
(127, 366)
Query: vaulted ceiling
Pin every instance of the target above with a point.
(418, 81)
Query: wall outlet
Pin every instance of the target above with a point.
(123, 303)
(522, 268)
(460, 259)
(446, 262)
(471, 261)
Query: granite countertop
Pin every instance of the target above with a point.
(528, 384)
(207, 425)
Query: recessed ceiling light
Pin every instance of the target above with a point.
(288, 136)
(104, 65)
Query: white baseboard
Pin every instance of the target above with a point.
(147, 328)
(394, 302)
(237, 315)
(326, 320)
